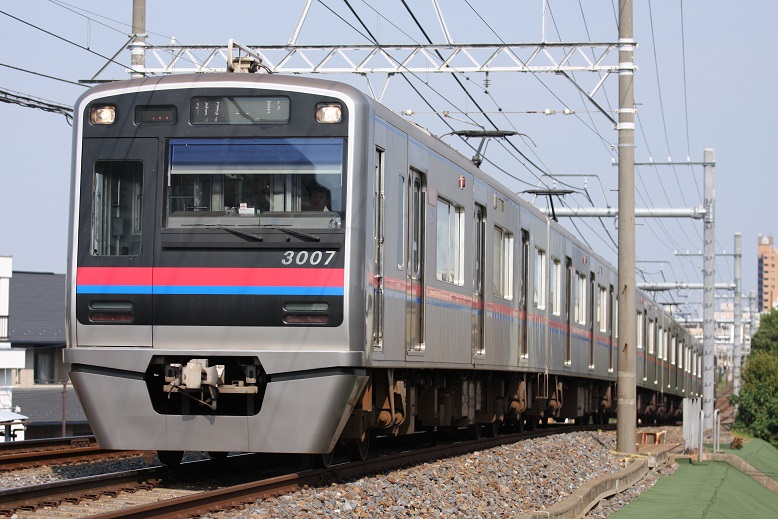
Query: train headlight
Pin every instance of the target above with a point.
(328, 113)
(103, 115)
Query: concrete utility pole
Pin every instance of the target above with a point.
(737, 350)
(138, 45)
(752, 313)
(709, 292)
(626, 429)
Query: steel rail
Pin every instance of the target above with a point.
(208, 501)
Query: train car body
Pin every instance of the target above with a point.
(215, 305)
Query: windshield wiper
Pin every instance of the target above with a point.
(293, 232)
(236, 232)
(230, 230)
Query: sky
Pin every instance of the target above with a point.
(706, 78)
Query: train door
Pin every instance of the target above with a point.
(568, 311)
(116, 237)
(478, 279)
(612, 305)
(414, 326)
(524, 296)
(378, 250)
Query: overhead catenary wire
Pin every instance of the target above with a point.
(537, 156)
(65, 40)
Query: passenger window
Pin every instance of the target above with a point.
(503, 263)
(449, 243)
(540, 279)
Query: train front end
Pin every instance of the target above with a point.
(212, 229)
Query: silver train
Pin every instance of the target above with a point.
(278, 264)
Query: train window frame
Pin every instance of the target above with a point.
(541, 277)
(602, 308)
(581, 300)
(401, 210)
(661, 353)
(120, 217)
(502, 276)
(449, 257)
(255, 181)
(651, 336)
(640, 325)
(555, 286)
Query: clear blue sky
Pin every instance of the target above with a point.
(707, 78)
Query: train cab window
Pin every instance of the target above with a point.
(117, 207)
(450, 256)
(540, 279)
(230, 182)
(503, 263)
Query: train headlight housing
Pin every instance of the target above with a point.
(102, 115)
(328, 113)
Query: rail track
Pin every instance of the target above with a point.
(160, 493)
(35, 453)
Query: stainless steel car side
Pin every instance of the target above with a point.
(213, 307)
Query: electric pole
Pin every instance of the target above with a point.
(626, 406)
(709, 291)
(737, 350)
(138, 45)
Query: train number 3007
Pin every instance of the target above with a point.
(304, 257)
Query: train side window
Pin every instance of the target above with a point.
(117, 208)
(555, 289)
(401, 211)
(580, 303)
(449, 243)
(602, 309)
(540, 279)
(503, 263)
(660, 346)
(651, 332)
(640, 330)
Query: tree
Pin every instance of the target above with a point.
(766, 337)
(758, 399)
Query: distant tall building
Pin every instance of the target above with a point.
(767, 274)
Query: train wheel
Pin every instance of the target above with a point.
(358, 449)
(170, 458)
(492, 429)
(323, 461)
(474, 431)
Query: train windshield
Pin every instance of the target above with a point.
(255, 182)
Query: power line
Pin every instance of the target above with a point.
(66, 40)
(26, 101)
(42, 75)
